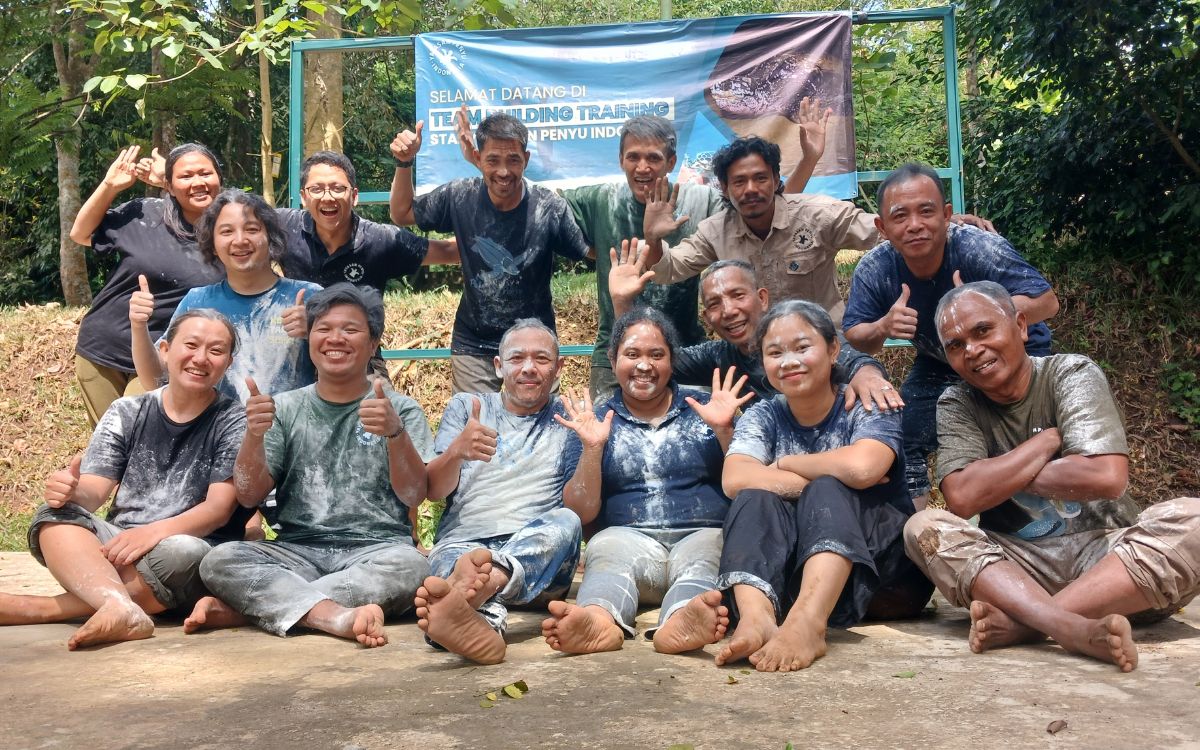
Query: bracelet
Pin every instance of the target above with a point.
(399, 431)
(401, 164)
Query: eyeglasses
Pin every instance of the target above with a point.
(319, 191)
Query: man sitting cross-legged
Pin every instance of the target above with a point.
(503, 462)
(169, 453)
(1036, 448)
(346, 456)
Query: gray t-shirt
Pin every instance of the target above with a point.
(164, 467)
(1067, 391)
(535, 456)
(332, 476)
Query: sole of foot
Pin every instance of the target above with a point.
(581, 630)
(449, 620)
(701, 621)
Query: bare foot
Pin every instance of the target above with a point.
(795, 646)
(751, 634)
(992, 628)
(363, 624)
(581, 630)
(210, 613)
(701, 621)
(471, 575)
(1108, 639)
(368, 626)
(450, 621)
(116, 620)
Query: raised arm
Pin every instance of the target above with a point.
(442, 253)
(722, 407)
(627, 276)
(582, 492)
(122, 174)
(406, 469)
(476, 442)
(145, 357)
(404, 149)
(900, 322)
(250, 472)
(813, 121)
(659, 221)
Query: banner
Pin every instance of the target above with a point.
(716, 79)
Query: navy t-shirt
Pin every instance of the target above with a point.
(978, 255)
(507, 256)
(662, 477)
(172, 264)
(375, 253)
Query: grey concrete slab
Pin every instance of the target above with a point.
(242, 688)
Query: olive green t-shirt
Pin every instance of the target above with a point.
(609, 213)
(1067, 391)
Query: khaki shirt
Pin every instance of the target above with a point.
(795, 261)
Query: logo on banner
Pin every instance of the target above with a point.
(447, 58)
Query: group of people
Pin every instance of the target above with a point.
(758, 487)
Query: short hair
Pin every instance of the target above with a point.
(990, 289)
(331, 159)
(650, 128)
(740, 149)
(524, 324)
(643, 314)
(206, 313)
(263, 212)
(172, 213)
(904, 173)
(813, 314)
(743, 265)
(365, 298)
(500, 126)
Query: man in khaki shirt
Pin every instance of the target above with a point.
(790, 240)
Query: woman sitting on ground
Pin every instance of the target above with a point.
(242, 232)
(654, 483)
(152, 238)
(171, 452)
(814, 532)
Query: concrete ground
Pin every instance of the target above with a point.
(907, 684)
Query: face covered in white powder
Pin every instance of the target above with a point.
(732, 305)
(528, 364)
(643, 363)
(984, 343)
(798, 360)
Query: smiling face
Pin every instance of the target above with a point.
(643, 364)
(798, 360)
(733, 306)
(503, 164)
(750, 186)
(195, 183)
(914, 218)
(329, 199)
(528, 364)
(240, 241)
(340, 343)
(985, 344)
(196, 359)
(644, 160)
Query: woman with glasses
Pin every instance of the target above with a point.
(153, 238)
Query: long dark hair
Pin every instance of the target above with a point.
(266, 215)
(172, 211)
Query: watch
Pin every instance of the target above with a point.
(401, 164)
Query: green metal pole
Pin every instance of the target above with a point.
(953, 118)
(295, 124)
(664, 9)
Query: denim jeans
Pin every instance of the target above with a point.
(625, 566)
(920, 391)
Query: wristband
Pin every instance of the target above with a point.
(400, 164)
(399, 431)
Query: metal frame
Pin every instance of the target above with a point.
(953, 172)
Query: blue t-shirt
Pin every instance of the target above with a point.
(507, 256)
(664, 477)
(265, 352)
(978, 255)
(535, 457)
(769, 431)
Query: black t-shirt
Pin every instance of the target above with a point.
(507, 256)
(171, 264)
(375, 253)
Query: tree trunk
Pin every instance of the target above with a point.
(163, 132)
(72, 266)
(265, 149)
(323, 91)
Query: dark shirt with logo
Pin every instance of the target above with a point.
(375, 254)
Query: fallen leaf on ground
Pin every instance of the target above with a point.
(486, 704)
(512, 691)
(1056, 726)
(907, 674)
(492, 697)
(731, 680)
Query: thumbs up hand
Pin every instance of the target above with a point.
(295, 319)
(477, 441)
(407, 143)
(141, 304)
(377, 414)
(901, 320)
(61, 485)
(260, 410)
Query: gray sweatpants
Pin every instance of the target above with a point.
(274, 584)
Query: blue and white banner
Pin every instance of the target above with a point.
(715, 79)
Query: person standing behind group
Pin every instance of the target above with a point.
(154, 238)
(508, 231)
(242, 232)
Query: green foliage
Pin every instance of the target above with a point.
(1183, 385)
(1085, 126)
